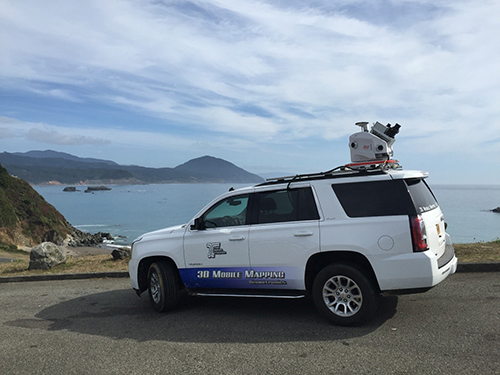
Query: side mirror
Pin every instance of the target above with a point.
(198, 225)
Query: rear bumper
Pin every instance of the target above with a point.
(413, 271)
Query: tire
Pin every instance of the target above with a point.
(344, 295)
(163, 286)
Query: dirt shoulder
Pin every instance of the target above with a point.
(97, 259)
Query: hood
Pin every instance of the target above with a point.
(162, 232)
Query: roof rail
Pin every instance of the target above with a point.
(347, 170)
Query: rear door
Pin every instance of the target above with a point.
(283, 235)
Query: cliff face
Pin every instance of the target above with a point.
(26, 219)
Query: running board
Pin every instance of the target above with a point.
(248, 295)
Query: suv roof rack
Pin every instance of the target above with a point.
(348, 170)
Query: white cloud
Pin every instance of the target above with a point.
(277, 72)
(51, 136)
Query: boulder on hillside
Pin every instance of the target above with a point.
(45, 256)
(54, 237)
(121, 253)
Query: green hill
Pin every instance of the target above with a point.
(26, 219)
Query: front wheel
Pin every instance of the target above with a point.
(163, 286)
(344, 295)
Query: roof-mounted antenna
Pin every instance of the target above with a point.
(363, 125)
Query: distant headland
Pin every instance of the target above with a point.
(58, 168)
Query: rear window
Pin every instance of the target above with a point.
(377, 198)
(385, 198)
(422, 195)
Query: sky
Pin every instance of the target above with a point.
(271, 86)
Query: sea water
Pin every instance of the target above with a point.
(128, 211)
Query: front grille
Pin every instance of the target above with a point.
(449, 253)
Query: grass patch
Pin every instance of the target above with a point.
(89, 263)
(478, 252)
(10, 248)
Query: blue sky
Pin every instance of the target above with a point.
(272, 86)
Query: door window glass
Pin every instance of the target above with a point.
(229, 212)
(286, 205)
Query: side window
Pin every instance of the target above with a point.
(377, 198)
(422, 195)
(285, 205)
(229, 212)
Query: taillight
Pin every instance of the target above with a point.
(418, 233)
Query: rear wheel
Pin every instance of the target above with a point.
(344, 295)
(163, 286)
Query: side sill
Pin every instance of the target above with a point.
(288, 294)
(399, 292)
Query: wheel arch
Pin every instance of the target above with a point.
(145, 263)
(320, 260)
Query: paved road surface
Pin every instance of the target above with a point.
(99, 326)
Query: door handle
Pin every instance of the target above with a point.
(303, 234)
(236, 238)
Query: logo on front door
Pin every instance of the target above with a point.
(214, 249)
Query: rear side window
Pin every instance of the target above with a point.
(377, 198)
(285, 205)
(422, 196)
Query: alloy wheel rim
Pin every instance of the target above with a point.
(154, 286)
(342, 296)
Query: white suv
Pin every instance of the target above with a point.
(342, 236)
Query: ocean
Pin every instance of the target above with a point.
(128, 211)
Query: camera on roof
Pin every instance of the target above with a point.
(373, 144)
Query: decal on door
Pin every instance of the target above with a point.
(214, 249)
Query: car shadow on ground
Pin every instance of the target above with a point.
(121, 315)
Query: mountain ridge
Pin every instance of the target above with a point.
(52, 167)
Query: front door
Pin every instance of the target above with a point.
(216, 249)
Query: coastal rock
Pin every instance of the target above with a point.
(497, 210)
(54, 237)
(121, 253)
(70, 189)
(45, 256)
(91, 189)
(79, 238)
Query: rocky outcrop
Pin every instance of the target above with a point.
(91, 189)
(497, 210)
(79, 238)
(45, 256)
(121, 253)
(70, 189)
